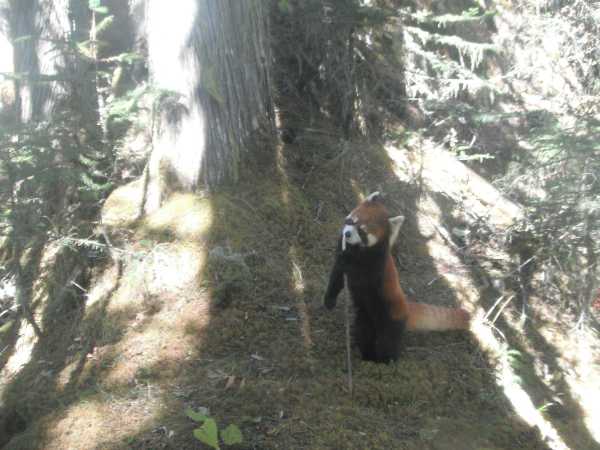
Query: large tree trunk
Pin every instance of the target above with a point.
(37, 28)
(211, 57)
(51, 75)
(54, 85)
(7, 92)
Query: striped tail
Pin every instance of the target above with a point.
(423, 317)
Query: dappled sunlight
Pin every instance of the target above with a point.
(174, 268)
(147, 326)
(510, 383)
(443, 173)
(298, 285)
(578, 358)
(27, 339)
(166, 281)
(176, 69)
(7, 95)
(565, 365)
(185, 216)
(444, 176)
(172, 28)
(297, 277)
(254, 129)
(102, 287)
(584, 380)
(280, 165)
(542, 74)
(447, 264)
(6, 53)
(105, 416)
(23, 351)
(122, 207)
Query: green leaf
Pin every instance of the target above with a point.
(207, 433)
(284, 6)
(96, 6)
(105, 24)
(196, 416)
(231, 435)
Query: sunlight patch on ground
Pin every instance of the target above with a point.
(174, 267)
(443, 174)
(280, 161)
(27, 339)
(580, 367)
(516, 394)
(149, 327)
(22, 353)
(103, 419)
(584, 381)
(157, 298)
(298, 286)
(122, 207)
(186, 216)
(447, 264)
(567, 364)
(102, 287)
(280, 164)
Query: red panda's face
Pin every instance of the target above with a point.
(369, 224)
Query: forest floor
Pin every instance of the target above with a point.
(217, 305)
(214, 303)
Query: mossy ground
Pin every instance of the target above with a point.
(227, 315)
(216, 303)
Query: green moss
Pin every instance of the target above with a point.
(5, 329)
(270, 359)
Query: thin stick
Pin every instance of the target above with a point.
(347, 320)
(502, 308)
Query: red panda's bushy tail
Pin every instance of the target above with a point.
(423, 317)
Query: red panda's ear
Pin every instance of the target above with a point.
(374, 197)
(395, 224)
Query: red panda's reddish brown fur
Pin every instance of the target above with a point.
(382, 311)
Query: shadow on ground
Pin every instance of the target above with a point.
(253, 344)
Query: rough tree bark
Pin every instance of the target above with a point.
(50, 73)
(50, 78)
(7, 93)
(211, 60)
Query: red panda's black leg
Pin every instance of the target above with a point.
(389, 341)
(365, 335)
(336, 280)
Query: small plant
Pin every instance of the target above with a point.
(208, 433)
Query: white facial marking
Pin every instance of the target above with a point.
(370, 197)
(371, 240)
(350, 236)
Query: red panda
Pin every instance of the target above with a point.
(382, 311)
